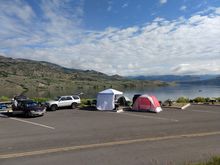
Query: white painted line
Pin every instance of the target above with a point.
(151, 117)
(29, 122)
(203, 111)
(4, 116)
(105, 144)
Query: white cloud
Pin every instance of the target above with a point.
(217, 11)
(158, 47)
(109, 8)
(15, 17)
(17, 9)
(55, 27)
(183, 8)
(195, 68)
(124, 5)
(179, 46)
(163, 1)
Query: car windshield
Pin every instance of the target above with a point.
(2, 105)
(31, 104)
(57, 98)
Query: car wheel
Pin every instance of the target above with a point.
(28, 114)
(73, 106)
(53, 107)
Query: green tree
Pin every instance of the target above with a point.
(182, 100)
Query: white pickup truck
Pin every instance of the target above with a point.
(63, 101)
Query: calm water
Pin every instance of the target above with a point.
(190, 91)
(162, 93)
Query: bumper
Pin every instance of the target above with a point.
(47, 106)
(6, 110)
(38, 113)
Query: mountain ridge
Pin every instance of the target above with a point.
(30, 76)
(177, 78)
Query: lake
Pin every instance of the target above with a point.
(162, 93)
(174, 92)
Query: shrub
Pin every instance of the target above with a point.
(212, 161)
(218, 99)
(40, 99)
(182, 100)
(4, 98)
(84, 101)
(87, 102)
(200, 100)
(168, 102)
(207, 99)
(128, 103)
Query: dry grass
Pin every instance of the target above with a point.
(212, 161)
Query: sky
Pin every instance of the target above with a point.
(124, 37)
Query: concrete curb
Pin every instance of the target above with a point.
(182, 108)
(185, 106)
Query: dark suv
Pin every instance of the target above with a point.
(29, 108)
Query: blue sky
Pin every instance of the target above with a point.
(125, 37)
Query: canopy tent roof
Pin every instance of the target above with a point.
(111, 91)
(106, 99)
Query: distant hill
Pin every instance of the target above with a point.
(31, 68)
(40, 78)
(177, 78)
(212, 81)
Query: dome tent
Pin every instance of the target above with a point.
(147, 103)
(123, 101)
(106, 99)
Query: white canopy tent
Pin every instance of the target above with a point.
(106, 99)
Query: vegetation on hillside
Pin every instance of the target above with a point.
(198, 100)
(213, 81)
(213, 161)
(39, 79)
(4, 98)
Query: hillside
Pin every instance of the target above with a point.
(213, 81)
(44, 79)
(178, 78)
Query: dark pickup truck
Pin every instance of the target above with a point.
(28, 107)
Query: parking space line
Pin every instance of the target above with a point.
(204, 111)
(33, 123)
(3, 116)
(151, 117)
(107, 144)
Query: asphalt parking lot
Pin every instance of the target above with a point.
(94, 137)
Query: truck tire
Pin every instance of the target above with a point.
(73, 105)
(53, 107)
(28, 114)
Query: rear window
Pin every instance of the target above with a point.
(76, 97)
(68, 98)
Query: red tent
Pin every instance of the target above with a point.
(147, 103)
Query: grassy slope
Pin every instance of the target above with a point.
(212, 161)
(20, 75)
